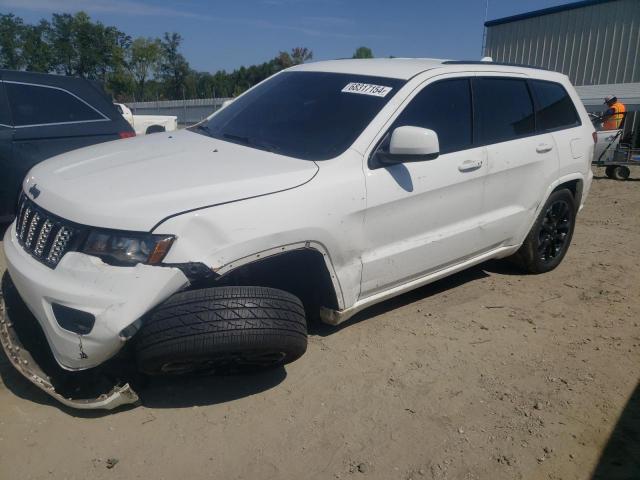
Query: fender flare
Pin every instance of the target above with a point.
(282, 249)
(572, 177)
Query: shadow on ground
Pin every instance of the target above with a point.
(620, 459)
(182, 392)
(475, 273)
(165, 392)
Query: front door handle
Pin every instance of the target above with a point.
(544, 148)
(470, 165)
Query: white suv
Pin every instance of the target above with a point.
(325, 189)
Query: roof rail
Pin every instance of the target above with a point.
(484, 62)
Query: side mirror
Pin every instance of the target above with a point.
(414, 141)
(410, 144)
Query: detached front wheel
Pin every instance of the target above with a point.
(222, 330)
(550, 237)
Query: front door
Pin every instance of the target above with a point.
(423, 216)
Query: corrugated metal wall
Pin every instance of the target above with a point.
(594, 44)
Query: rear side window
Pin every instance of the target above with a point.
(5, 118)
(504, 109)
(554, 108)
(38, 105)
(444, 107)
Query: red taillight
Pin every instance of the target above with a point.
(127, 134)
(595, 137)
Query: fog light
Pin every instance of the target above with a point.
(75, 321)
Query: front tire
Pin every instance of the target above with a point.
(549, 239)
(222, 330)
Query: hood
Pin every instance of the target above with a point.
(135, 183)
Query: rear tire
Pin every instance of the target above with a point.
(222, 330)
(620, 172)
(549, 239)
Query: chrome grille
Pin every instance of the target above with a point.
(42, 234)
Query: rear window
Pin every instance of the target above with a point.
(40, 105)
(554, 108)
(504, 109)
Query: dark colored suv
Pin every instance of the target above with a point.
(44, 115)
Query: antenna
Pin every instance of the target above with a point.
(484, 29)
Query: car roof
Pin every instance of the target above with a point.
(406, 68)
(402, 68)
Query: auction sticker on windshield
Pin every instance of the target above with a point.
(367, 89)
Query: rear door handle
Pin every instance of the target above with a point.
(470, 165)
(544, 148)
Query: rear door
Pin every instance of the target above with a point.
(521, 161)
(7, 200)
(423, 216)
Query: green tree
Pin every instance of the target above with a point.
(300, 55)
(173, 67)
(363, 52)
(37, 54)
(143, 58)
(86, 49)
(11, 28)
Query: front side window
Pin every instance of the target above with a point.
(40, 105)
(554, 108)
(445, 108)
(307, 115)
(504, 109)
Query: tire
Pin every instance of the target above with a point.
(608, 171)
(548, 241)
(222, 330)
(620, 172)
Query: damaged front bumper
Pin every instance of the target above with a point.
(115, 296)
(24, 363)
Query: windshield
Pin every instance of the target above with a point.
(307, 115)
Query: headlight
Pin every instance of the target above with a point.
(126, 248)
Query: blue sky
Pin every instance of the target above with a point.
(228, 34)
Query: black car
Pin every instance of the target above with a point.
(44, 115)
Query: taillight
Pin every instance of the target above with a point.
(595, 137)
(126, 134)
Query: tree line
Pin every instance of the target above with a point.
(130, 69)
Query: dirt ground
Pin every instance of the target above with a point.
(485, 375)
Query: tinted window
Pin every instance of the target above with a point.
(504, 109)
(308, 115)
(554, 108)
(34, 105)
(444, 107)
(5, 118)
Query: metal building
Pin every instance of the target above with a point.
(593, 42)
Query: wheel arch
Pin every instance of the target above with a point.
(575, 186)
(304, 269)
(155, 129)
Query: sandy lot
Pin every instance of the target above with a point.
(486, 375)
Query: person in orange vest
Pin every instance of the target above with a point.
(614, 115)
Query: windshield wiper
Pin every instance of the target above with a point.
(203, 126)
(251, 142)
